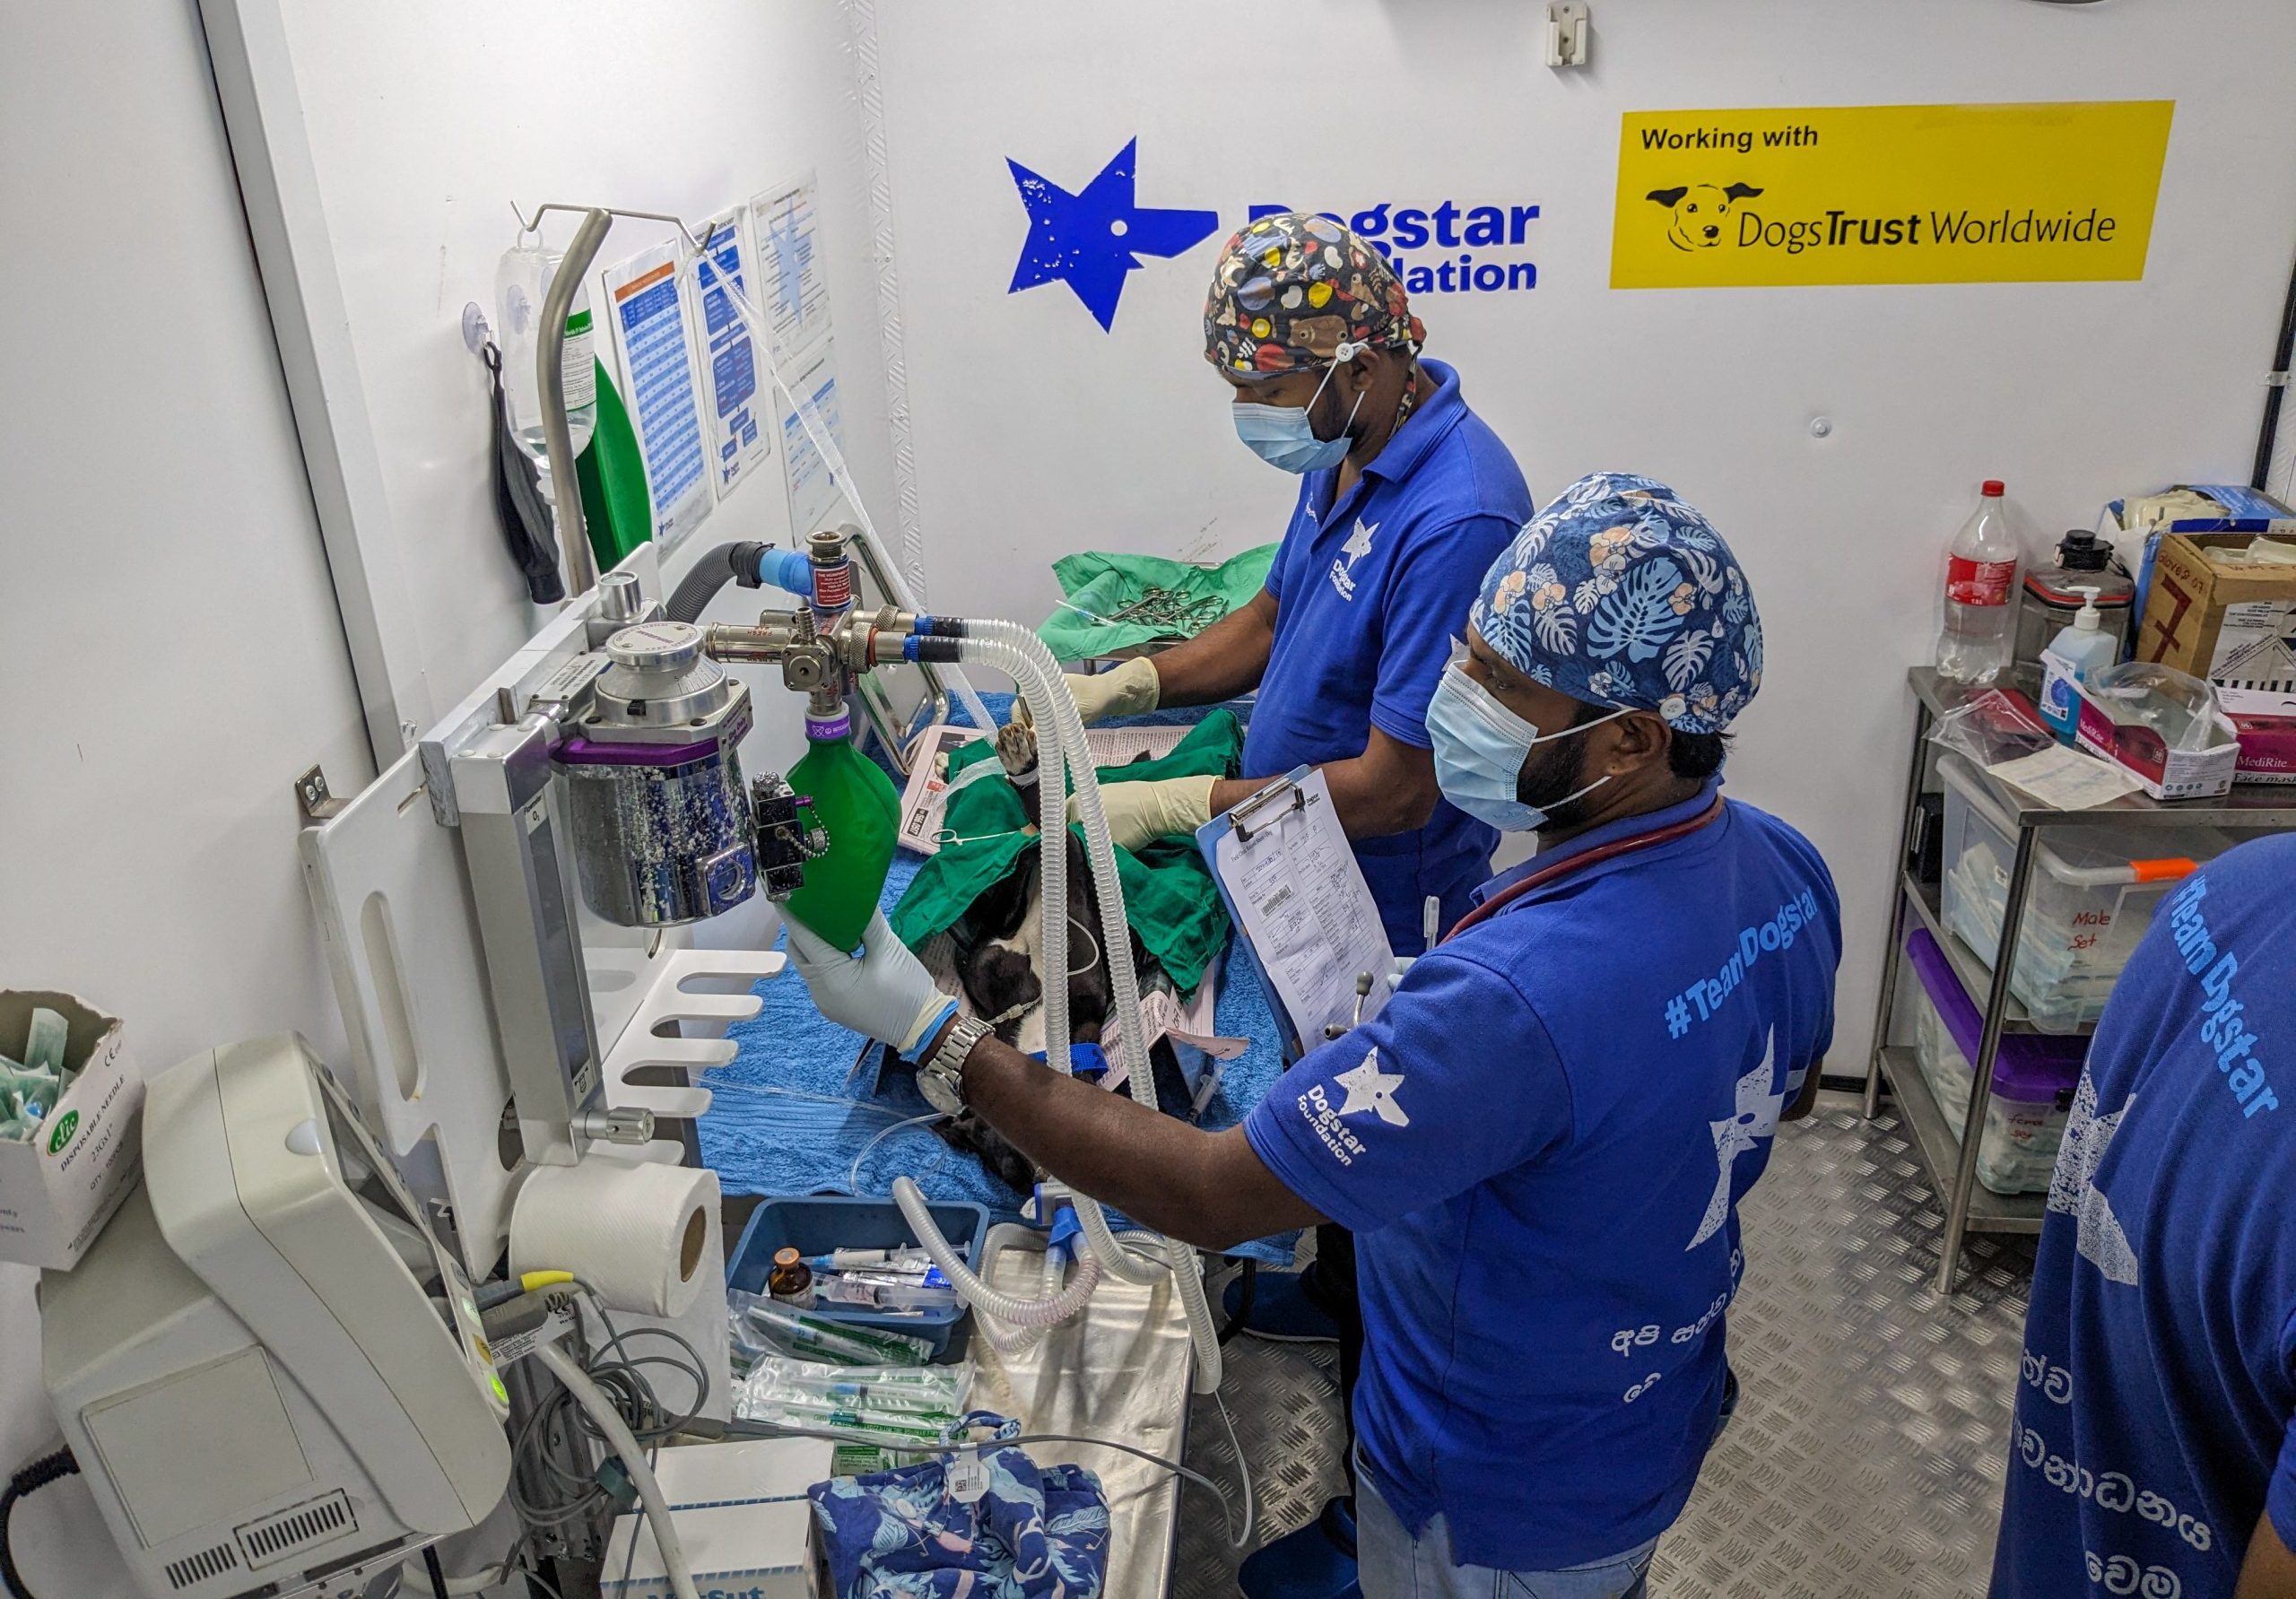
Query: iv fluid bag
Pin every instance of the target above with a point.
(521, 281)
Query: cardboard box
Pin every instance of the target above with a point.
(2164, 773)
(2267, 724)
(58, 1191)
(2234, 627)
(742, 1516)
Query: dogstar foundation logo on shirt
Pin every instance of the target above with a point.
(1358, 545)
(1370, 1089)
(1887, 195)
(1370, 1092)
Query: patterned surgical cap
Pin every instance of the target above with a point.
(1618, 594)
(1290, 289)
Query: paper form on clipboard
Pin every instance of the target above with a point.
(1284, 867)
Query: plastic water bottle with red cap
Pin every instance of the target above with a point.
(1980, 592)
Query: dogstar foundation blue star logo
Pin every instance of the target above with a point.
(1089, 241)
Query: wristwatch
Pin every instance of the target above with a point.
(942, 1079)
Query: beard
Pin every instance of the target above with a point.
(1550, 777)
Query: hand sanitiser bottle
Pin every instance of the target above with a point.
(855, 803)
(1980, 583)
(2078, 650)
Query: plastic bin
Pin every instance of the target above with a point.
(2033, 1078)
(2093, 893)
(817, 1224)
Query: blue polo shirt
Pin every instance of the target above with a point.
(2156, 1422)
(1541, 1143)
(1369, 593)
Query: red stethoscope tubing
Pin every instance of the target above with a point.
(1605, 852)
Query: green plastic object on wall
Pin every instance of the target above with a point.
(854, 800)
(616, 507)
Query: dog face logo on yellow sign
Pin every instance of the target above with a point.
(1699, 211)
(1780, 197)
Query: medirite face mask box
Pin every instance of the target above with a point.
(2266, 721)
(2165, 774)
(742, 1517)
(58, 1187)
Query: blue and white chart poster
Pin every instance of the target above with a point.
(795, 300)
(737, 441)
(656, 347)
(814, 499)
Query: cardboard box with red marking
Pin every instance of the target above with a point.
(2234, 625)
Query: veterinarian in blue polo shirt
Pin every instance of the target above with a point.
(1405, 496)
(2153, 1450)
(1542, 1141)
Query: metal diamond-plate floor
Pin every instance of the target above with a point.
(1865, 1459)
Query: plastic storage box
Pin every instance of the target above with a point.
(2093, 893)
(2033, 1078)
(817, 1224)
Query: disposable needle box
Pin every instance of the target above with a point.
(59, 1187)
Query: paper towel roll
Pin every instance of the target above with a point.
(638, 1233)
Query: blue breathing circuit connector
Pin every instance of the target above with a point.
(1067, 1232)
(786, 569)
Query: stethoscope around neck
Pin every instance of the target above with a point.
(1544, 877)
(1631, 844)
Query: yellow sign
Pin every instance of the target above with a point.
(1887, 195)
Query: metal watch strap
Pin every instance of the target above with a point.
(948, 1062)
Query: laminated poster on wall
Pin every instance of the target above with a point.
(654, 341)
(814, 499)
(794, 295)
(739, 437)
(1980, 194)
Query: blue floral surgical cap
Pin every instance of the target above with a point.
(1618, 594)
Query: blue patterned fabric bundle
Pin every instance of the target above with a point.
(1037, 1533)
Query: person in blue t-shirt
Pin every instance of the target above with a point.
(2153, 1450)
(1542, 1138)
(1406, 495)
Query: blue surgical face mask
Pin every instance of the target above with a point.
(1284, 435)
(1480, 746)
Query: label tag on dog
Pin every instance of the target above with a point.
(968, 1477)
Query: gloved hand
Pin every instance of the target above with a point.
(886, 993)
(1140, 813)
(1131, 689)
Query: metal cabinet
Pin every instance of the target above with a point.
(1949, 1153)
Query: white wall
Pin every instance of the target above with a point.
(172, 650)
(429, 118)
(1036, 433)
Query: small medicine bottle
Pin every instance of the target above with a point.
(791, 1280)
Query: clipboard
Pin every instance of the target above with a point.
(1304, 917)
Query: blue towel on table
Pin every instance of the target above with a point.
(789, 1118)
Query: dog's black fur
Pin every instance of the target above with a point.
(999, 978)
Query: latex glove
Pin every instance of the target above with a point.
(1140, 813)
(1131, 689)
(886, 992)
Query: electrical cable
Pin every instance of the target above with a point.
(1243, 1470)
(26, 1482)
(558, 1426)
(1249, 1280)
(438, 1576)
(601, 1411)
